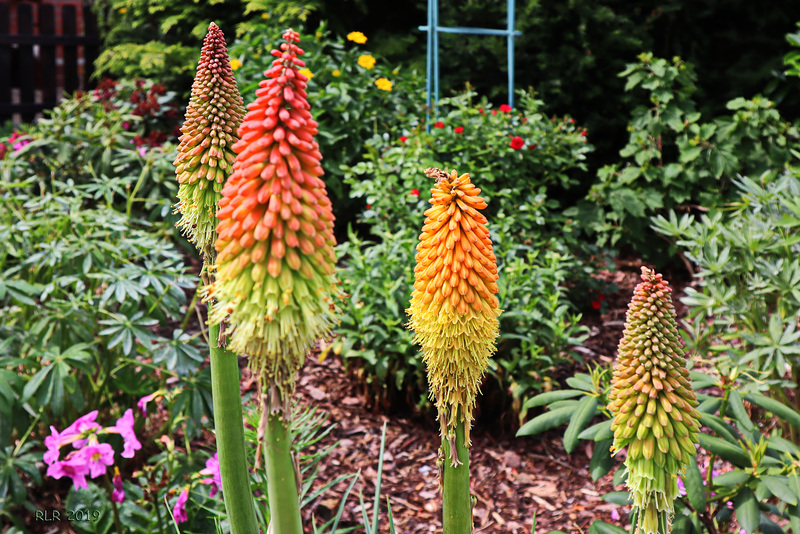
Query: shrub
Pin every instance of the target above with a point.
(745, 308)
(675, 160)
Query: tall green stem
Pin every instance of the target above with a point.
(229, 427)
(456, 502)
(284, 504)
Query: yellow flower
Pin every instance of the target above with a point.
(357, 37)
(265, 16)
(336, 73)
(123, 10)
(383, 84)
(366, 61)
(235, 64)
(307, 73)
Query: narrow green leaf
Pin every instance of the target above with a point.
(723, 429)
(601, 527)
(621, 498)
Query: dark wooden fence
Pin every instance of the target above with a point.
(45, 50)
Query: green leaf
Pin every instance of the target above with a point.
(731, 478)
(701, 380)
(601, 527)
(776, 407)
(544, 399)
(695, 489)
(723, 429)
(546, 421)
(778, 487)
(598, 432)
(602, 461)
(723, 449)
(739, 412)
(621, 498)
(747, 512)
(587, 408)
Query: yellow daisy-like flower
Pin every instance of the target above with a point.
(235, 64)
(336, 73)
(366, 61)
(357, 37)
(307, 73)
(383, 84)
(265, 16)
(123, 10)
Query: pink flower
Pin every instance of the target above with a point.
(81, 426)
(596, 306)
(494, 112)
(212, 468)
(117, 494)
(75, 468)
(142, 404)
(438, 124)
(415, 192)
(126, 125)
(517, 143)
(505, 108)
(459, 129)
(142, 150)
(98, 456)
(681, 487)
(124, 428)
(615, 514)
(180, 506)
(403, 138)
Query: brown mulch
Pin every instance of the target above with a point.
(511, 478)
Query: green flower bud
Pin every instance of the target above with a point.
(651, 372)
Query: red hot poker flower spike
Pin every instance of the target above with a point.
(275, 262)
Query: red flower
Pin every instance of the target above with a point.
(438, 124)
(459, 129)
(583, 133)
(480, 110)
(415, 192)
(596, 304)
(494, 112)
(505, 108)
(517, 143)
(403, 138)
(369, 206)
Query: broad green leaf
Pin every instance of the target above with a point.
(601, 462)
(618, 497)
(747, 511)
(587, 408)
(695, 489)
(544, 399)
(778, 487)
(723, 429)
(776, 407)
(731, 478)
(598, 432)
(546, 421)
(722, 448)
(739, 412)
(601, 527)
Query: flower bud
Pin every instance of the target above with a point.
(214, 112)
(651, 368)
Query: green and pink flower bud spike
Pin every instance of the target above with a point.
(653, 405)
(204, 162)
